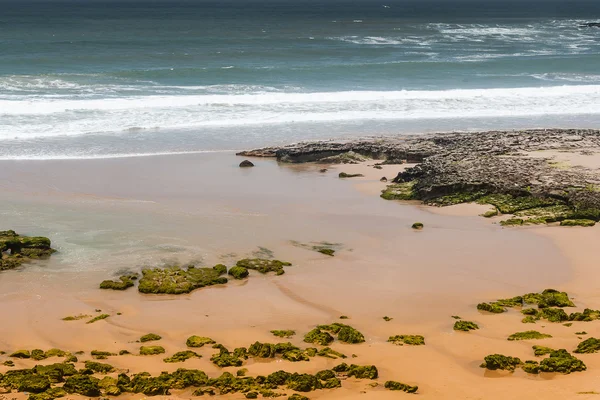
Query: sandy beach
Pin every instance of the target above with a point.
(115, 215)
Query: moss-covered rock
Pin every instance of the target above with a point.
(21, 354)
(345, 333)
(528, 335)
(531, 367)
(124, 282)
(198, 341)
(151, 350)
(417, 226)
(283, 333)
(297, 396)
(56, 353)
(262, 350)
(413, 340)
(498, 361)
(84, 385)
(50, 394)
(562, 362)
(264, 266)
(541, 350)
(329, 353)
(346, 175)
(465, 326)
(101, 354)
(178, 280)
(16, 250)
(99, 367)
(491, 308)
(225, 358)
(589, 345)
(586, 316)
(150, 337)
(357, 371)
(55, 372)
(317, 336)
(239, 272)
(578, 222)
(181, 356)
(399, 191)
(393, 385)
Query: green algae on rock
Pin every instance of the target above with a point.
(587, 315)
(399, 191)
(562, 362)
(589, 345)
(417, 226)
(491, 308)
(357, 371)
(238, 272)
(346, 175)
(393, 385)
(264, 266)
(498, 361)
(297, 396)
(21, 354)
(181, 356)
(345, 333)
(465, 326)
(329, 353)
(150, 337)
(124, 282)
(327, 252)
(177, 280)
(151, 350)
(317, 336)
(528, 335)
(578, 222)
(412, 340)
(541, 350)
(99, 367)
(531, 367)
(283, 333)
(101, 354)
(98, 318)
(16, 249)
(84, 385)
(225, 358)
(198, 341)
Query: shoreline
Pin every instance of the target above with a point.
(418, 288)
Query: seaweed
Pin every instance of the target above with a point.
(98, 318)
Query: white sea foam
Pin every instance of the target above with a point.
(25, 117)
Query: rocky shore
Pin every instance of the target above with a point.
(515, 171)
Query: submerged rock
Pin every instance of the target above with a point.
(124, 282)
(246, 164)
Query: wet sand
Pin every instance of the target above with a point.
(105, 216)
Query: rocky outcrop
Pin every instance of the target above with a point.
(16, 249)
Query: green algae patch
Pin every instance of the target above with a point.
(99, 367)
(561, 361)
(151, 350)
(56, 353)
(264, 266)
(38, 354)
(327, 252)
(84, 385)
(513, 222)
(465, 326)
(328, 352)
(531, 367)
(181, 356)
(545, 301)
(297, 396)
(528, 335)
(345, 333)
(508, 204)
(283, 333)
(411, 340)
(238, 272)
(317, 336)
(500, 362)
(124, 282)
(98, 318)
(198, 341)
(16, 250)
(150, 337)
(578, 222)
(178, 280)
(589, 345)
(346, 175)
(399, 191)
(417, 226)
(76, 317)
(490, 214)
(541, 350)
(394, 385)
(387, 319)
(587, 315)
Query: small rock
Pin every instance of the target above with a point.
(246, 164)
(323, 170)
(377, 167)
(383, 179)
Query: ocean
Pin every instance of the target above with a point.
(104, 78)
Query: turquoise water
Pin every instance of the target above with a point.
(83, 79)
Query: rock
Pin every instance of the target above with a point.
(412, 340)
(150, 337)
(264, 266)
(246, 164)
(528, 335)
(499, 361)
(181, 356)
(393, 385)
(345, 175)
(465, 326)
(198, 341)
(124, 282)
(151, 350)
(16, 250)
(177, 280)
(239, 272)
(417, 226)
(383, 179)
